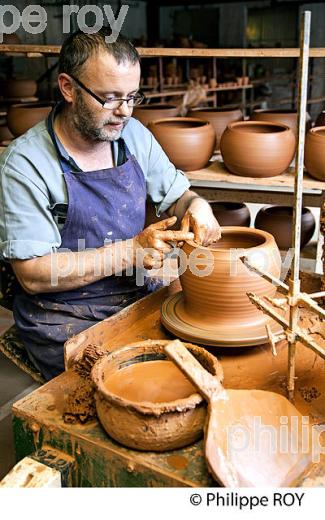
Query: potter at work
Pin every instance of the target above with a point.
(73, 196)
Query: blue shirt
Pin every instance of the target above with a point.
(32, 183)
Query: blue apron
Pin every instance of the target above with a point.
(103, 205)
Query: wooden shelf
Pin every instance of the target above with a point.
(36, 51)
(216, 175)
(182, 92)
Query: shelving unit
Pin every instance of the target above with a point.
(214, 182)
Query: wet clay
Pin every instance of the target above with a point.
(80, 405)
(153, 381)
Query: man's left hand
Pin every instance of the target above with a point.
(199, 218)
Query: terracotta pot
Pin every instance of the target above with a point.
(320, 121)
(218, 117)
(219, 298)
(315, 152)
(22, 117)
(284, 116)
(18, 88)
(147, 113)
(231, 213)
(278, 221)
(149, 426)
(257, 149)
(5, 134)
(188, 142)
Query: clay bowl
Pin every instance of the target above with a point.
(284, 116)
(278, 221)
(147, 113)
(231, 213)
(188, 142)
(257, 149)
(315, 152)
(18, 88)
(320, 121)
(150, 426)
(220, 296)
(218, 117)
(22, 117)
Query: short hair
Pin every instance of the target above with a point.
(80, 46)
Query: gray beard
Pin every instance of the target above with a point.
(84, 123)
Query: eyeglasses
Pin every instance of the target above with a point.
(112, 103)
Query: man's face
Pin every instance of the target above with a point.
(106, 78)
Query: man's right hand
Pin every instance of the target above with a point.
(155, 241)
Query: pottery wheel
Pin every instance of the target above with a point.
(177, 321)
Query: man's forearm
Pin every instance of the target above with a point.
(66, 271)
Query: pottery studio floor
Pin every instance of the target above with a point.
(14, 384)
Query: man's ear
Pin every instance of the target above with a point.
(66, 87)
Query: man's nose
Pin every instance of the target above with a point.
(123, 109)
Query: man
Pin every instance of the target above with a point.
(73, 197)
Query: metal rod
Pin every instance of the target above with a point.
(269, 277)
(294, 285)
(315, 295)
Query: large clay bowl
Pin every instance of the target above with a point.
(22, 117)
(147, 113)
(320, 121)
(284, 116)
(218, 117)
(278, 221)
(188, 142)
(315, 152)
(144, 425)
(18, 88)
(221, 295)
(257, 149)
(231, 213)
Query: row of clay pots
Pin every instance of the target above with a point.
(218, 117)
(278, 220)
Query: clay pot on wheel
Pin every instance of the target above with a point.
(315, 153)
(218, 117)
(257, 149)
(147, 113)
(284, 116)
(278, 221)
(18, 88)
(188, 142)
(214, 308)
(231, 213)
(320, 121)
(145, 425)
(22, 117)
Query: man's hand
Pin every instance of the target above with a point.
(200, 219)
(155, 241)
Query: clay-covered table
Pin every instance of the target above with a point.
(96, 460)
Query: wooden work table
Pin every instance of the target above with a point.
(97, 460)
